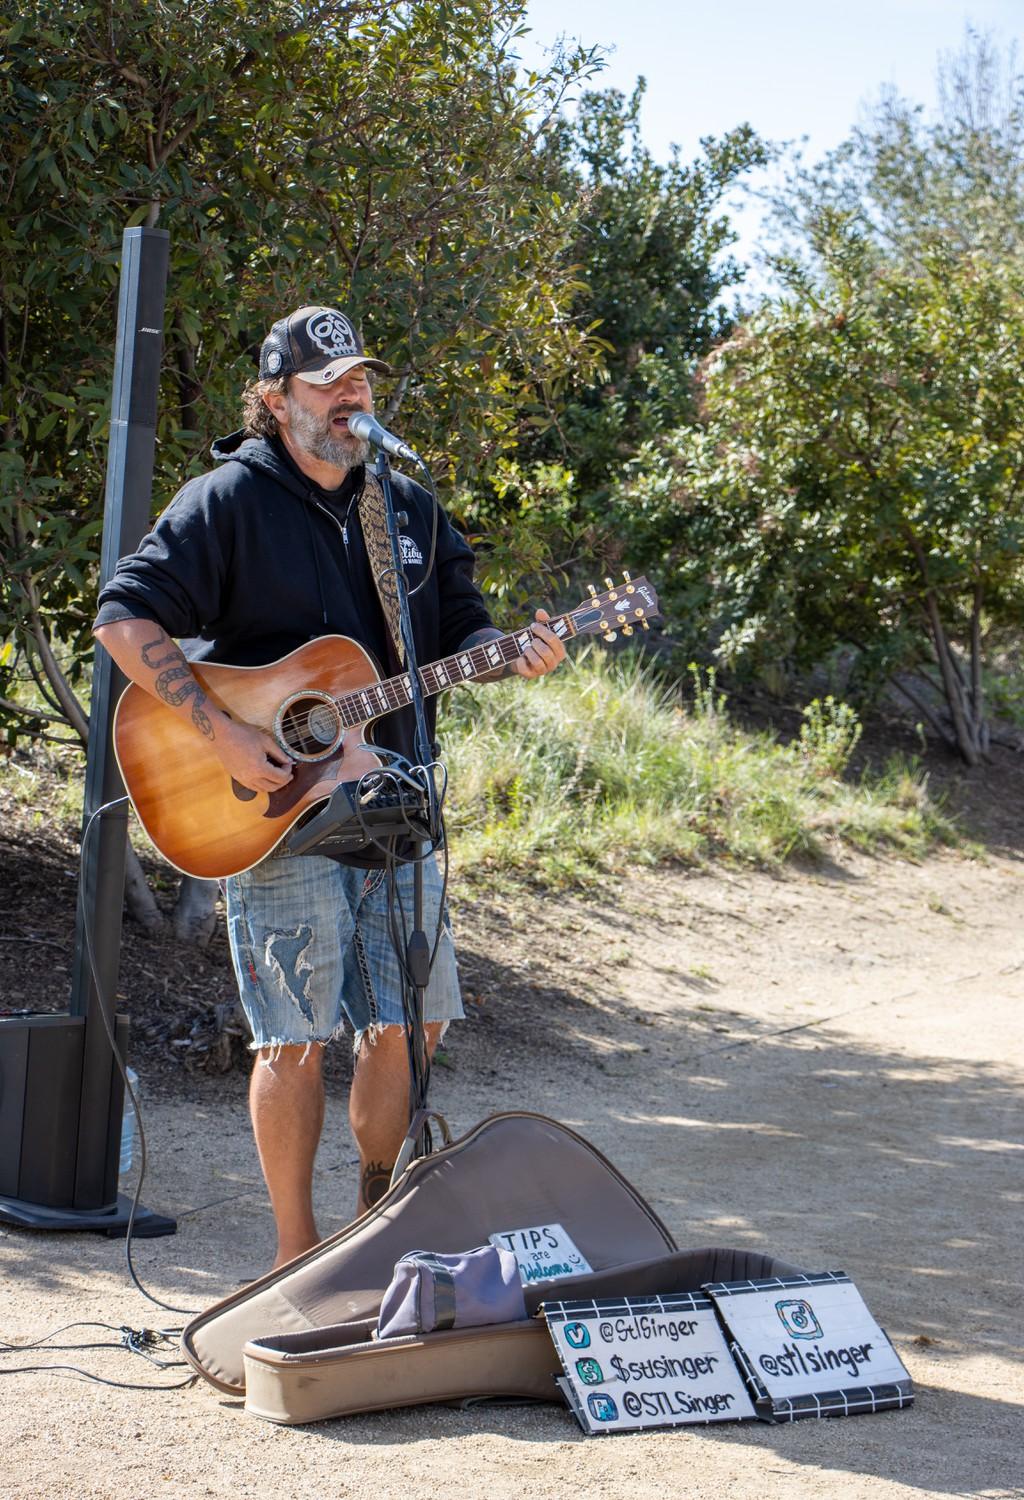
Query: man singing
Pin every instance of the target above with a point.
(249, 561)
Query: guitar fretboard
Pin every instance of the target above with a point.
(396, 692)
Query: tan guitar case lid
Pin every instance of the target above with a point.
(511, 1171)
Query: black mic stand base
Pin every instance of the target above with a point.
(111, 1220)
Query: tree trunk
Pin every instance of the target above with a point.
(195, 916)
(981, 727)
(967, 728)
(138, 897)
(925, 710)
(189, 390)
(966, 737)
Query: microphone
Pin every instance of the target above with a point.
(369, 430)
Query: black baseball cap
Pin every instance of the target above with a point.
(316, 344)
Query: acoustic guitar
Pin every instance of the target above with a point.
(319, 703)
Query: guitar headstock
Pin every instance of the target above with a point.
(623, 607)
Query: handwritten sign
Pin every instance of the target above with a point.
(544, 1251)
(811, 1347)
(646, 1362)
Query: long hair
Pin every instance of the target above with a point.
(257, 418)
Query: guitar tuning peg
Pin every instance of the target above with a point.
(592, 590)
(644, 625)
(610, 635)
(609, 583)
(626, 576)
(627, 630)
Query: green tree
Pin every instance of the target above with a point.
(914, 183)
(857, 478)
(651, 244)
(386, 160)
(294, 151)
(648, 248)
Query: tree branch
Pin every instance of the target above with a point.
(33, 713)
(927, 710)
(977, 687)
(69, 704)
(966, 739)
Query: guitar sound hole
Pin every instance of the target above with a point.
(309, 725)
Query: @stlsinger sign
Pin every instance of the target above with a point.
(811, 1347)
(646, 1362)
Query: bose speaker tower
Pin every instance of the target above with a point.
(61, 1091)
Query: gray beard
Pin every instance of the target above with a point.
(314, 436)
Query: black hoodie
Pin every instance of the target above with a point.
(252, 560)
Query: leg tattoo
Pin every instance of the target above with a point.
(375, 1182)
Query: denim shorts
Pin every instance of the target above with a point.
(312, 949)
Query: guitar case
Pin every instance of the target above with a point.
(300, 1341)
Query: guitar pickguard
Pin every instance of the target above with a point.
(306, 775)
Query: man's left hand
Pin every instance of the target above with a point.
(545, 651)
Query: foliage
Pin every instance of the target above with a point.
(912, 184)
(650, 242)
(598, 767)
(295, 151)
(527, 533)
(829, 735)
(858, 477)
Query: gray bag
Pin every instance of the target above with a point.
(430, 1292)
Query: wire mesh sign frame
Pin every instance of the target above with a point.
(809, 1347)
(781, 1349)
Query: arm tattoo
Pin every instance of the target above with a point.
(488, 633)
(150, 650)
(177, 670)
(375, 1182)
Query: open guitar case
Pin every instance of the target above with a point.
(300, 1344)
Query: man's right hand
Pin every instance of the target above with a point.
(250, 755)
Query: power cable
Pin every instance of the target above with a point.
(141, 1341)
(102, 1001)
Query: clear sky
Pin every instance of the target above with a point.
(791, 68)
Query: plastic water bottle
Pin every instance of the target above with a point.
(128, 1131)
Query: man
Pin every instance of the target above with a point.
(249, 562)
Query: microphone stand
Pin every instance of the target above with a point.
(417, 948)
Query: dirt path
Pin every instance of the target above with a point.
(823, 1065)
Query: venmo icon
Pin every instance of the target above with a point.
(577, 1336)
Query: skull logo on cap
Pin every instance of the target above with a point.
(332, 334)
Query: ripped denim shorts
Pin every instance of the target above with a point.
(312, 948)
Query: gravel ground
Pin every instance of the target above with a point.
(825, 1065)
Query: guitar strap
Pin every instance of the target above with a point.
(373, 518)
